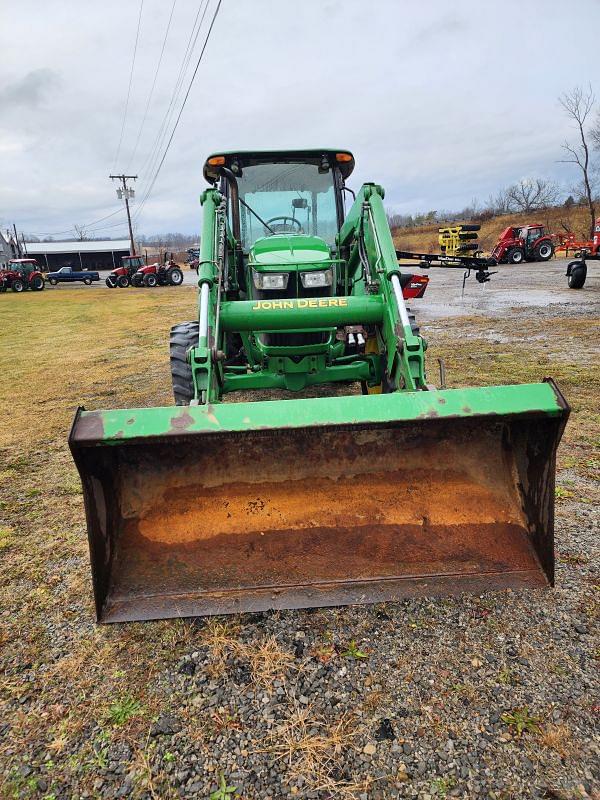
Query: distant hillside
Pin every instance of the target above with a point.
(425, 238)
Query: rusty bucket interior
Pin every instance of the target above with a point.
(225, 522)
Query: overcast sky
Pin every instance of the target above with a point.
(440, 101)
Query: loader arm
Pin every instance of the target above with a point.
(367, 235)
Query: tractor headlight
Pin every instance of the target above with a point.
(270, 280)
(314, 280)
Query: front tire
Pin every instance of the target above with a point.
(37, 283)
(183, 336)
(123, 282)
(543, 252)
(18, 285)
(150, 280)
(515, 255)
(52, 281)
(577, 275)
(111, 282)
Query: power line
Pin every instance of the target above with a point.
(160, 58)
(150, 161)
(187, 94)
(87, 225)
(137, 36)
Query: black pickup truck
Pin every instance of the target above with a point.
(68, 274)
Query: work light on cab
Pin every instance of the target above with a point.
(271, 280)
(314, 280)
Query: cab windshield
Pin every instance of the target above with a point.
(286, 198)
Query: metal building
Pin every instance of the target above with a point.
(79, 255)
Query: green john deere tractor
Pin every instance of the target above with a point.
(400, 489)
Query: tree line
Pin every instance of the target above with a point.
(537, 194)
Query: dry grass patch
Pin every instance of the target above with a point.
(268, 661)
(557, 738)
(266, 658)
(313, 747)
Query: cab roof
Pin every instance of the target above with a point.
(252, 157)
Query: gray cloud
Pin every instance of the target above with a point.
(30, 90)
(435, 106)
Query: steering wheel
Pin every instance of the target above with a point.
(285, 220)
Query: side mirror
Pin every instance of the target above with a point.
(300, 202)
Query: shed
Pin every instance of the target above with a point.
(79, 255)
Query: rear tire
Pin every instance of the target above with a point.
(577, 276)
(183, 336)
(175, 276)
(543, 252)
(515, 255)
(18, 285)
(123, 282)
(87, 281)
(150, 280)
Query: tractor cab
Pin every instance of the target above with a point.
(132, 263)
(529, 234)
(284, 208)
(23, 265)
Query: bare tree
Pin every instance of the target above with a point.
(578, 104)
(501, 203)
(531, 194)
(80, 232)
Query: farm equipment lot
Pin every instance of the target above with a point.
(491, 696)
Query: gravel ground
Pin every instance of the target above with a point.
(492, 696)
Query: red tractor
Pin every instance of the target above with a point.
(523, 243)
(167, 274)
(21, 274)
(121, 276)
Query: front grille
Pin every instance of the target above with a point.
(293, 290)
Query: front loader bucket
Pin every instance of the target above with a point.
(329, 501)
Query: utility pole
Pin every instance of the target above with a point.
(19, 254)
(124, 192)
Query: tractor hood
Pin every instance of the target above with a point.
(289, 250)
